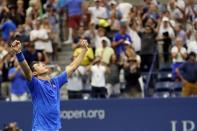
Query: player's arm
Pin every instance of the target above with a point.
(17, 49)
(73, 66)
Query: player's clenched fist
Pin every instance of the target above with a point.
(16, 46)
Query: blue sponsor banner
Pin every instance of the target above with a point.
(172, 114)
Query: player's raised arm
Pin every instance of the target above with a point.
(73, 66)
(17, 49)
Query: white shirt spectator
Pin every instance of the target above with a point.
(96, 13)
(98, 75)
(41, 45)
(168, 28)
(124, 9)
(75, 81)
(179, 58)
(192, 47)
(175, 12)
(136, 39)
(190, 12)
(180, 3)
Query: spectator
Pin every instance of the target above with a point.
(181, 33)
(7, 28)
(188, 75)
(53, 19)
(11, 127)
(75, 85)
(151, 12)
(75, 11)
(105, 53)
(192, 45)
(98, 79)
(80, 35)
(119, 41)
(34, 10)
(89, 57)
(45, 26)
(179, 54)
(34, 55)
(20, 11)
(149, 45)
(100, 35)
(176, 10)
(124, 9)
(112, 79)
(132, 30)
(132, 73)
(40, 37)
(18, 83)
(165, 36)
(190, 10)
(6, 63)
(97, 12)
(114, 22)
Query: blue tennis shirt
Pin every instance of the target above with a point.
(46, 102)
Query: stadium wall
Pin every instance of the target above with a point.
(171, 114)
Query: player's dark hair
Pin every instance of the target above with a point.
(32, 65)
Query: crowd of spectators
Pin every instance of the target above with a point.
(123, 41)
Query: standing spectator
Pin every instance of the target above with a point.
(165, 36)
(124, 9)
(3, 55)
(40, 38)
(112, 78)
(34, 55)
(133, 33)
(53, 19)
(192, 45)
(149, 45)
(97, 12)
(191, 10)
(75, 11)
(21, 11)
(33, 11)
(120, 40)
(181, 33)
(114, 22)
(152, 12)
(88, 58)
(100, 35)
(80, 35)
(187, 72)
(176, 9)
(7, 29)
(179, 54)
(98, 79)
(106, 53)
(46, 27)
(18, 83)
(75, 84)
(132, 73)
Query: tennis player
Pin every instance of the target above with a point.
(45, 91)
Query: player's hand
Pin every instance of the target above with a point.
(16, 46)
(84, 44)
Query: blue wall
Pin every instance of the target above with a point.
(113, 115)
